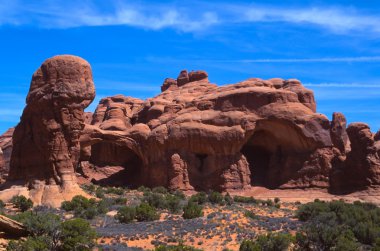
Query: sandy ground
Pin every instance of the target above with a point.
(308, 195)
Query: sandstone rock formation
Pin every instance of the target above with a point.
(46, 147)
(5, 153)
(194, 135)
(12, 228)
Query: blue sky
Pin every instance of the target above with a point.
(133, 46)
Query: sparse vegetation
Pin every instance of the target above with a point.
(268, 242)
(22, 203)
(126, 214)
(330, 225)
(85, 208)
(48, 232)
(179, 247)
(199, 198)
(192, 210)
(145, 212)
(216, 198)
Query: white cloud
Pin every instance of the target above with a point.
(188, 16)
(274, 60)
(343, 85)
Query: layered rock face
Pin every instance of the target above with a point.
(46, 147)
(194, 135)
(5, 152)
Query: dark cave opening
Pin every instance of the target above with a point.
(259, 163)
(121, 165)
(275, 153)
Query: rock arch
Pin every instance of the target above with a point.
(276, 150)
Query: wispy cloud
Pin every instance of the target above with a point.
(360, 59)
(343, 85)
(187, 17)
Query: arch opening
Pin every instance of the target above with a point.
(275, 152)
(120, 165)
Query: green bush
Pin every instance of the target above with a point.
(99, 193)
(145, 212)
(76, 234)
(322, 233)
(276, 200)
(179, 247)
(90, 188)
(163, 201)
(216, 198)
(192, 210)
(179, 194)
(22, 203)
(160, 189)
(243, 199)
(250, 214)
(85, 208)
(199, 198)
(331, 223)
(228, 199)
(114, 190)
(173, 203)
(126, 214)
(268, 242)
(143, 189)
(47, 232)
(248, 245)
(156, 200)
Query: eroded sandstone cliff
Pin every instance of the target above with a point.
(193, 135)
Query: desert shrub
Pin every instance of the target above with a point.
(160, 189)
(85, 208)
(173, 203)
(268, 242)
(22, 203)
(156, 200)
(114, 190)
(48, 232)
(179, 247)
(276, 200)
(199, 198)
(228, 199)
(145, 212)
(243, 199)
(331, 223)
(322, 233)
(163, 201)
(192, 210)
(76, 234)
(2, 206)
(29, 244)
(126, 214)
(250, 214)
(216, 198)
(99, 193)
(90, 188)
(268, 203)
(143, 189)
(179, 194)
(248, 245)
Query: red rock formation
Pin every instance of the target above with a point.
(6, 150)
(361, 168)
(193, 135)
(46, 147)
